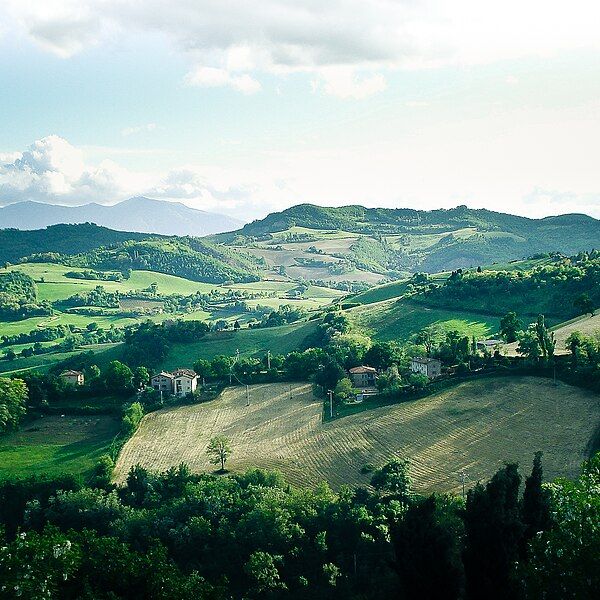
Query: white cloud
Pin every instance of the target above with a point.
(52, 170)
(232, 43)
(468, 170)
(127, 131)
(344, 82)
(213, 77)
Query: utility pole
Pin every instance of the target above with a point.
(330, 393)
(247, 395)
(269, 360)
(290, 390)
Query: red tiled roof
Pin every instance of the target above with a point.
(362, 369)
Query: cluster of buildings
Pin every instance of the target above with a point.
(365, 377)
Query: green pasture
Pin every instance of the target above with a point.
(398, 320)
(53, 445)
(250, 342)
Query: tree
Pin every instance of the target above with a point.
(510, 325)
(203, 368)
(564, 559)
(493, 529)
(427, 551)
(117, 376)
(584, 304)
(141, 377)
(382, 355)
(535, 507)
(236, 326)
(394, 477)
(329, 373)
(344, 389)
(93, 326)
(429, 337)
(219, 450)
(545, 338)
(261, 568)
(13, 396)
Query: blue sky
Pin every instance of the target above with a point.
(246, 109)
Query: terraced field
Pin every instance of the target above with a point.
(475, 426)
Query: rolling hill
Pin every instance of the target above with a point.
(139, 214)
(474, 426)
(388, 241)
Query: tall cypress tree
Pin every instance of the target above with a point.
(493, 535)
(535, 508)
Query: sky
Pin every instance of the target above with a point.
(245, 108)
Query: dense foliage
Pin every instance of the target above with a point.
(554, 289)
(18, 297)
(179, 535)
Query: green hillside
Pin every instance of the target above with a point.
(390, 241)
(60, 239)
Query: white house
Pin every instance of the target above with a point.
(180, 382)
(185, 382)
(430, 367)
(163, 382)
(73, 377)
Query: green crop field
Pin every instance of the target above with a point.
(398, 320)
(473, 427)
(250, 342)
(53, 445)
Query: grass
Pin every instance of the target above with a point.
(399, 320)
(42, 362)
(250, 342)
(54, 445)
(56, 286)
(475, 427)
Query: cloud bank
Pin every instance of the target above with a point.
(347, 45)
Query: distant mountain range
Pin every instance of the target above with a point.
(138, 214)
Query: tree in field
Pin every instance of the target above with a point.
(203, 369)
(529, 345)
(343, 390)
(429, 337)
(329, 373)
(13, 396)
(219, 450)
(584, 305)
(510, 325)
(545, 338)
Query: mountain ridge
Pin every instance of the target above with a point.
(138, 214)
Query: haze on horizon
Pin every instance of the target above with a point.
(246, 108)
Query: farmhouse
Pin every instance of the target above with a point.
(185, 381)
(363, 376)
(163, 382)
(73, 377)
(430, 367)
(179, 382)
(489, 345)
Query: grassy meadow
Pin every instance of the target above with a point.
(53, 444)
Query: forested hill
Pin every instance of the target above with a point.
(63, 239)
(89, 245)
(434, 240)
(405, 220)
